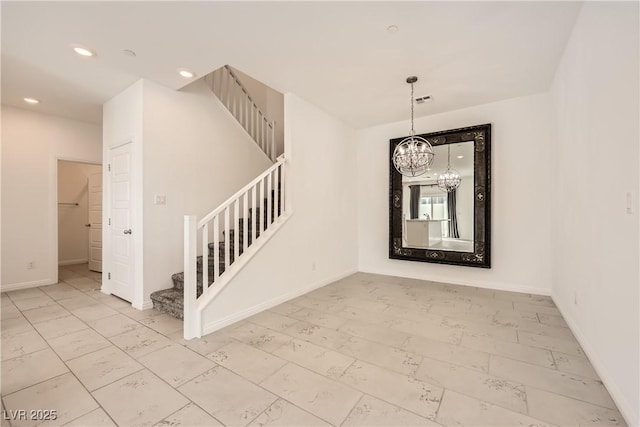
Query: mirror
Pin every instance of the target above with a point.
(429, 224)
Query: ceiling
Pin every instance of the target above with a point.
(336, 55)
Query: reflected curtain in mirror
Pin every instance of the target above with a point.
(414, 201)
(453, 215)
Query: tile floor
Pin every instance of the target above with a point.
(367, 350)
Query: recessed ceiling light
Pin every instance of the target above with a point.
(83, 51)
(391, 29)
(32, 101)
(460, 157)
(187, 74)
(129, 52)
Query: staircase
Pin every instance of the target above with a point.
(256, 212)
(171, 301)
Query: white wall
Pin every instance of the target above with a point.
(73, 187)
(322, 230)
(595, 241)
(32, 143)
(520, 196)
(195, 154)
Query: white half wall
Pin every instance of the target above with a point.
(520, 196)
(595, 239)
(196, 155)
(73, 187)
(318, 244)
(32, 143)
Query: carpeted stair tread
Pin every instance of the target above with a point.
(170, 301)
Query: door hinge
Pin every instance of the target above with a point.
(109, 167)
(109, 221)
(109, 276)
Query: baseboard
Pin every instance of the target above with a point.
(146, 305)
(477, 284)
(26, 285)
(73, 261)
(236, 317)
(624, 406)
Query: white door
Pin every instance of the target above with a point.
(121, 265)
(95, 222)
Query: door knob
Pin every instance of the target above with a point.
(127, 231)
(87, 225)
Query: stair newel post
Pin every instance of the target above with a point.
(192, 317)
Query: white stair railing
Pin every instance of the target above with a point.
(245, 210)
(228, 88)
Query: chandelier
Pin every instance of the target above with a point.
(414, 155)
(450, 179)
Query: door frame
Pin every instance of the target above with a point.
(136, 221)
(54, 205)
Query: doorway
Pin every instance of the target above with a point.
(80, 214)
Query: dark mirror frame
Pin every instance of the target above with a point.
(481, 256)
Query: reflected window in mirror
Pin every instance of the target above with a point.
(431, 224)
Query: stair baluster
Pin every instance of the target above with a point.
(228, 88)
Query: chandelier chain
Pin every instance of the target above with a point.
(412, 130)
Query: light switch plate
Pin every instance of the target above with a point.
(159, 199)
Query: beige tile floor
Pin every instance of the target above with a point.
(367, 350)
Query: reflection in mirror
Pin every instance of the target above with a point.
(434, 218)
(429, 224)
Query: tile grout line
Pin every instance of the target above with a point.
(67, 366)
(173, 341)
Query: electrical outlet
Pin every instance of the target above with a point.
(31, 265)
(575, 298)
